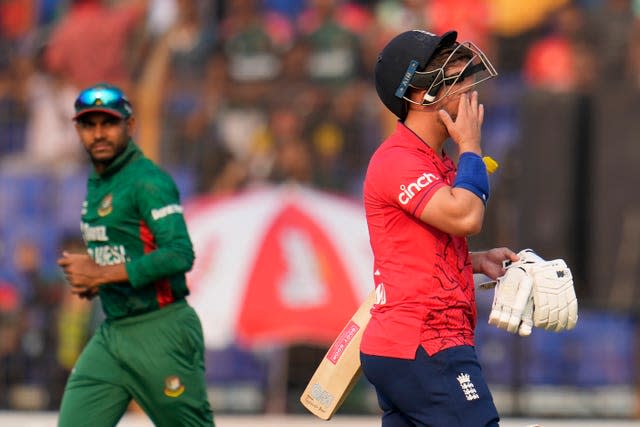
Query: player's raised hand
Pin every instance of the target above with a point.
(465, 130)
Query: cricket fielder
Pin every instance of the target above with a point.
(150, 348)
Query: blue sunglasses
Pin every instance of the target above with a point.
(103, 98)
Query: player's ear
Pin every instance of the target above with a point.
(130, 122)
(415, 95)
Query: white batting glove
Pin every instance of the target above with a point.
(512, 307)
(534, 292)
(554, 297)
(526, 321)
(511, 294)
(528, 258)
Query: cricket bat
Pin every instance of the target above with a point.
(339, 370)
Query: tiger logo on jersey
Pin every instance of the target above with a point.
(173, 387)
(105, 206)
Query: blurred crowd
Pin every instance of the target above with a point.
(250, 90)
(233, 93)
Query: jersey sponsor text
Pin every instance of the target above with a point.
(408, 192)
(156, 214)
(108, 255)
(94, 234)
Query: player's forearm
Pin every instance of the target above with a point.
(476, 261)
(160, 263)
(469, 211)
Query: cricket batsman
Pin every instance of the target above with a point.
(418, 349)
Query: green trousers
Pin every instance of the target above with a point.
(156, 358)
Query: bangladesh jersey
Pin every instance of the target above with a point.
(132, 215)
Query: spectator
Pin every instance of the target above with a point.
(17, 19)
(335, 56)
(613, 23)
(11, 361)
(470, 17)
(281, 153)
(253, 44)
(561, 46)
(338, 144)
(37, 370)
(94, 42)
(169, 90)
(13, 113)
(48, 99)
(514, 27)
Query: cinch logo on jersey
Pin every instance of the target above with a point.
(94, 234)
(408, 192)
(108, 255)
(167, 210)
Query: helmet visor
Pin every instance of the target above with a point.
(441, 82)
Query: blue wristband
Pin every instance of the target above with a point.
(472, 175)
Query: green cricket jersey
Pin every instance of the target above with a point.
(132, 215)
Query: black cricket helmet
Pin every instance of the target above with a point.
(404, 63)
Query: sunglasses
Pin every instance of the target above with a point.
(106, 97)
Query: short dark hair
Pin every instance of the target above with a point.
(440, 56)
(84, 119)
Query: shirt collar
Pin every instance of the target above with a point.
(409, 137)
(412, 138)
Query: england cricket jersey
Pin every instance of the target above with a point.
(132, 215)
(423, 276)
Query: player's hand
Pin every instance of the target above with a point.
(81, 273)
(466, 129)
(491, 262)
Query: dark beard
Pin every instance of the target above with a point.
(103, 164)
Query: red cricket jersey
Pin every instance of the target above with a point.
(423, 276)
